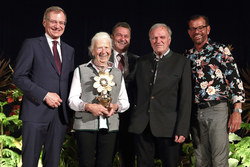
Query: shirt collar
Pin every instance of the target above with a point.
(50, 40)
(158, 57)
(116, 53)
(110, 65)
(209, 42)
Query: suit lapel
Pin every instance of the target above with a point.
(112, 57)
(48, 53)
(64, 61)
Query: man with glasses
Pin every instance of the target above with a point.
(215, 76)
(43, 72)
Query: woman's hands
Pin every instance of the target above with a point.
(99, 110)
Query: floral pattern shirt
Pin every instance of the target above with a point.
(215, 74)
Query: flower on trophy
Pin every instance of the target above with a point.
(104, 82)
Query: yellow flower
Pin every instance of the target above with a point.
(104, 82)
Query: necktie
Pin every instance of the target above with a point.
(121, 62)
(56, 57)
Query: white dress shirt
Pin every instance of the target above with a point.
(117, 59)
(50, 41)
(77, 104)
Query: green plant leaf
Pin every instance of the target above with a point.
(2, 117)
(233, 162)
(10, 158)
(8, 141)
(14, 119)
(234, 137)
(3, 103)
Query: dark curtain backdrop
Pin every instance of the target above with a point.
(229, 20)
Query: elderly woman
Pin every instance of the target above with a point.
(96, 121)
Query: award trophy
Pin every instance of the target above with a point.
(103, 84)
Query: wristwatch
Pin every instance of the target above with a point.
(239, 110)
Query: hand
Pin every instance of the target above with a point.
(179, 139)
(234, 122)
(112, 109)
(96, 109)
(53, 99)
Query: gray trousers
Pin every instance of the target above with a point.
(210, 136)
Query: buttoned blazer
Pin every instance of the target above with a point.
(166, 104)
(36, 74)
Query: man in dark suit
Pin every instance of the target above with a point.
(126, 62)
(43, 72)
(161, 118)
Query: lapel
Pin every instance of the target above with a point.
(112, 57)
(45, 46)
(131, 61)
(64, 61)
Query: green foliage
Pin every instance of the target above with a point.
(157, 163)
(245, 126)
(69, 156)
(11, 158)
(10, 147)
(116, 162)
(189, 159)
(8, 141)
(233, 137)
(240, 151)
(2, 116)
(11, 119)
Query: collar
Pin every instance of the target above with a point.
(209, 42)
(49, 39)
(110, 65)
(116, 53)
(158, 57)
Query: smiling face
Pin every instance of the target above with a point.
(198, 31)
(121, 39)
(101, 51)
(160, 40)
(54, 24)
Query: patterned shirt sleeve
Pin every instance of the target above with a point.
(232, 76)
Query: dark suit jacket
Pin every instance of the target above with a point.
(165, 105)
(130, 83)
(36, 74)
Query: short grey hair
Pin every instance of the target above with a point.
(98, 36)
(161, 25)
(56, 9)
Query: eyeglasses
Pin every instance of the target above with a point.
(200, 28)
(54, 22)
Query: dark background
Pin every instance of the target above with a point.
(229, 20)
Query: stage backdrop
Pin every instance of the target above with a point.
(229, 20)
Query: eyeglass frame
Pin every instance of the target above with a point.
(62, 23)
(200, 28)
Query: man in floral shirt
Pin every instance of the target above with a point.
(215, 77)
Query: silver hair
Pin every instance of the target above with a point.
(98, 36)
(161, 25)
